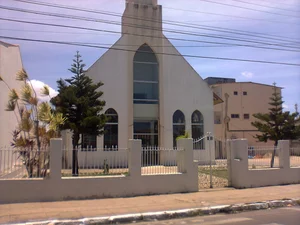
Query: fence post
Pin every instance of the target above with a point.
(186, 158)
(238, 156)
(134, 157)
(284, 154)
(229, 160)
(55, 158)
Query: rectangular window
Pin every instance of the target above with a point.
(246, 116)
(145, 93)
(217, 117)
(235, 93)
(110, 137)
(145, 72)
(245, 93)
(235, 116)
(147, 131)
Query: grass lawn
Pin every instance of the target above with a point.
(217, 172)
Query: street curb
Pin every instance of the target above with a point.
(164, 215)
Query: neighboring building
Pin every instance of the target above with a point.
(245, 99)
(10, 64)
(149, 94)
(218, 80)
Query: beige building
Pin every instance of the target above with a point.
(244, 100)
(10, 64)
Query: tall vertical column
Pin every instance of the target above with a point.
(55, 158)
(284, 154)
(134, 158)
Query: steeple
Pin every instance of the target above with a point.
(142, 2)
(142, 17)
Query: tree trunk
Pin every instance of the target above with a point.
(36, 123)
(75, 155)
(273, 154)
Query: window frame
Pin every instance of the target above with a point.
(233, 116)
(108, 123)
(236, 93)
(139, 58)
(248, 116)
(176, 124)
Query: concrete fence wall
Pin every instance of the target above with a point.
(241, 177)
(56, 188)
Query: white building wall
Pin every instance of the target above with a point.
(179, 84)
(10, 64)
(111, 69)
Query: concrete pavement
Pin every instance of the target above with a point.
(13, 213)
(282, 216)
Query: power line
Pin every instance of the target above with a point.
(158, 53)
(169, 22)
(142, 35)
(110, 44)
(225, 15)
(88, 33)
(138, 26)
(271, 7)
(241, 7)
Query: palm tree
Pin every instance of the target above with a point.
(37, 123)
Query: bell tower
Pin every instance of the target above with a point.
(142, 17)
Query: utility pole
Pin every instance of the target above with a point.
(226, 120)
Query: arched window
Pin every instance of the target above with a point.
(178, 125)
(197, 129)
(111, 130)
(145, 76)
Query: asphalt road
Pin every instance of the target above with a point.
(282, 216)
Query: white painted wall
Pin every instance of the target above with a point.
(10, 64)
(179, 84)
(56, 188)
(240, 176)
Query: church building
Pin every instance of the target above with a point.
(152, 93)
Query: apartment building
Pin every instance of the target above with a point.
(244, 100)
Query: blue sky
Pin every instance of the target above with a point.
(49, 62)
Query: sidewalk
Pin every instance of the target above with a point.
(25, 212)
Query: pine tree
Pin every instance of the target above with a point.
(79, 101)
(276, 125)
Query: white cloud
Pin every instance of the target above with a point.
(285, 106)
(38, 86)
(247, 74)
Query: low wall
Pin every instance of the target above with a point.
(242, 177)
(56, 188)
(83, 188)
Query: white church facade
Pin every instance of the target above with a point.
(152, 93)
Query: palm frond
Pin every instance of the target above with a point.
(22, 75)
(26, 124)
(33, 101)
(10, 106)
(26, 93)
(13, 95)
(56, 121)
(45, 90)
(44, 111)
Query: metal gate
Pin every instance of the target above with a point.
(210, 153)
